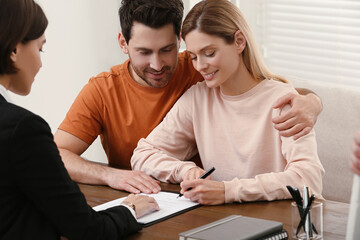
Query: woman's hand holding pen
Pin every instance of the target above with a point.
(198, 187)
(204, 191)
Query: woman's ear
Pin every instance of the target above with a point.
(13, 55)
(122, 43)
(240, 41)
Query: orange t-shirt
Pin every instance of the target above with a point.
(122, 111)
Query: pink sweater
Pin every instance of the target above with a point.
(235, 135)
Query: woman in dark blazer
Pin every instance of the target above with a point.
(38, 200)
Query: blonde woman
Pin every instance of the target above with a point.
(227, 120)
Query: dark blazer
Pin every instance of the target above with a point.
(38, 200)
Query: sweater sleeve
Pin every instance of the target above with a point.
(163, 152)
(303, 167)
(41, 176)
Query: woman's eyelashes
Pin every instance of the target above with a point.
(206, 54)
(210, 53)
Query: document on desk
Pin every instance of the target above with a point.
(169, 203)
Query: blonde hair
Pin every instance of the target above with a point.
(222, 18)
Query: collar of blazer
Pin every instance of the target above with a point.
(2, 98)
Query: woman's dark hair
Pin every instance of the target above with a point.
(152, 13)
(20, 22)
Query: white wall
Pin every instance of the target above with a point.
(81, 42)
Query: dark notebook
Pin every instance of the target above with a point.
(237, 227)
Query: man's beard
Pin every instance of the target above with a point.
(150, 81)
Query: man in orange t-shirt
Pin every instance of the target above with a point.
(125, 104)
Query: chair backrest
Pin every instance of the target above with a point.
(335, 128)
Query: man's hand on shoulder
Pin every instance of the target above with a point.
(132, 181)
(300, 118)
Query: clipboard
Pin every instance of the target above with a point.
(169, 203)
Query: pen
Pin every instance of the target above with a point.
(295, 193)
(205, 175)
(307, 225)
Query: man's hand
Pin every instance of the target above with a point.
(355, 155)
(203, 191)
(132, 181)
(300, 118)
(88, 172)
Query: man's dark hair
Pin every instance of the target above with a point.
(152, 13)
(20, 22)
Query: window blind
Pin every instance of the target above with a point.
(313, 40)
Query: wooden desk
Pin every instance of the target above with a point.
(335, 214)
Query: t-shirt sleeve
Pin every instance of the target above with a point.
(42, 178)
(84, 118)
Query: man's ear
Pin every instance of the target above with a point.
(179, 40)
(122, 43)
(240, 41)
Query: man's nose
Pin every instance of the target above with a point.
(156, 62)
